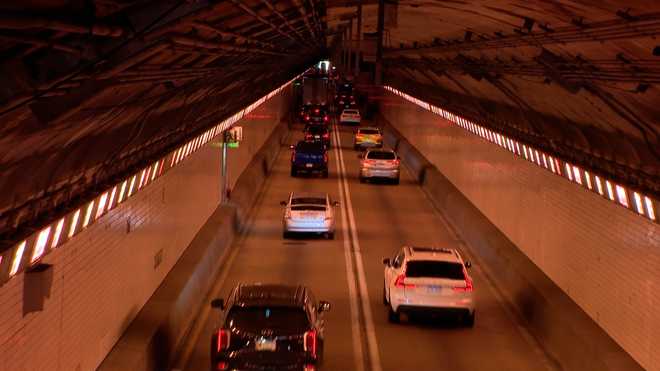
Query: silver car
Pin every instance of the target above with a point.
(309, 213)
(379, 163)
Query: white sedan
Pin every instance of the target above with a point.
(309, 213)
(350, 116)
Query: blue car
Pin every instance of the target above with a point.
(309, 157)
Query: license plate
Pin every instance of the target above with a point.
(309, 165)
(265, 345)
(434, 289)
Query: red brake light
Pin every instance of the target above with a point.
(309, 342)
(468, 284)
(309, 136)
(307, 117)
(325, 118)
(223, 340)
(222, 365)
(399, 282)
(316, 110)
(326, 135)
(310, 368)
(325, 157)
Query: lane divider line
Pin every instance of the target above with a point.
(350, 272)
(372, 342)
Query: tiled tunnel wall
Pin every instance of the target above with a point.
(605, 257)
(103, 276)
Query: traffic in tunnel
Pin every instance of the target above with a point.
(329, 185)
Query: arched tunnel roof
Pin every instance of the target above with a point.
(92, 90)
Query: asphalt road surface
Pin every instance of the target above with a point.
(373, 220)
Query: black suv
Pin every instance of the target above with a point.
(317, 114)
(269, 327)
(309, 157)
(318, 133)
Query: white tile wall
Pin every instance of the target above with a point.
(104, 275)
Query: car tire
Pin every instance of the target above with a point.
(393, 316)
(363, 180)
(468, 320)
(325, 173)
(286, 235)
(396, 180)
(330, 235)
(294, 172)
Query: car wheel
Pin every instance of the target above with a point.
(294, 172)
(362, 179)
(330, 235)
(469, 319)
(325, 173)
(286, 235)
(396, 180)
(393, 316)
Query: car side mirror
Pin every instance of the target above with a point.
(468, 264)
(386, 261)
(324, 306)
(283, 203)
(218, 303)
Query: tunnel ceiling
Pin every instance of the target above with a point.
(577, 78)
(93, 89)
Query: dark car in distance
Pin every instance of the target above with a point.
(318, 133)
(269, 327)
(309, 157)
(317, 114)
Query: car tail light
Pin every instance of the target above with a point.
(316, 110)
(369, 163)
(310, 368)
(400, 284)
(306, 117)
(396, 162)
(326, 118)
(325, 157)
(309, 136)
(309, 343)
(326, 135)
(468, 284)
(222, 365)
(223, 340)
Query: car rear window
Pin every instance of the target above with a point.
(307, 201)
(317, 129)
(378, 155)
(308, 207)
(309, 147)
(434, 269)
(350, 111)
(277, 318)
(369, 131)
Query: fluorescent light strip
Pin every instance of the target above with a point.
(616, 193)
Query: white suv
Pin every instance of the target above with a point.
(431, 280)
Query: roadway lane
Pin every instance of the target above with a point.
(386, 217)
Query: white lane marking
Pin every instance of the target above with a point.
(350, 274)
(372, 342)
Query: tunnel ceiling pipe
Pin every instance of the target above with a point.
(647, 25)
(303, 13)
(358, 39)
(26, 23)
(315, 17)
(379, 42)
(133, 60)
(263, 20)
(225, 33)
(270, 6)
(199, 43)
(42, 43)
